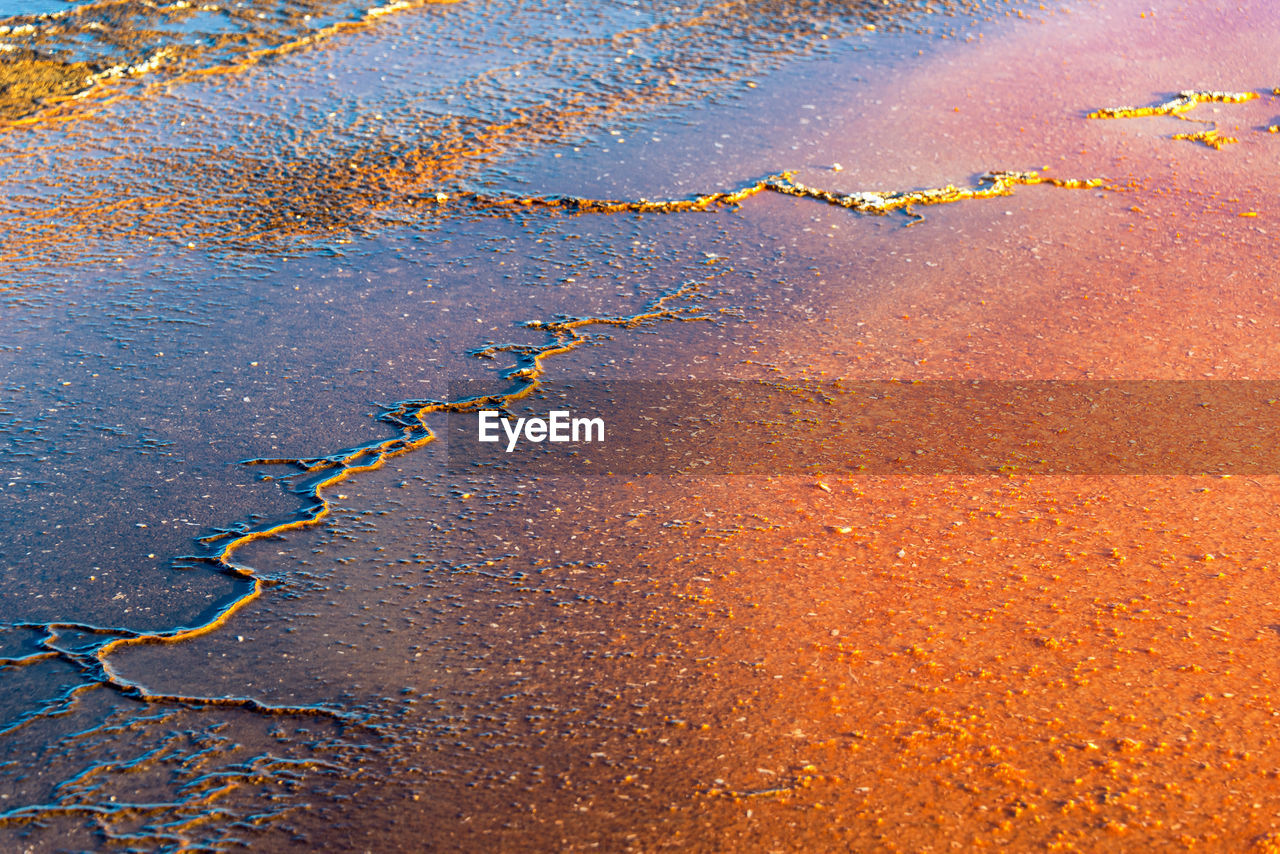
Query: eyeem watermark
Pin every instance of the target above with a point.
(875, 427)
(558, 426)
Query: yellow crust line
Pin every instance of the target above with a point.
(382, 452)
(1209, 138)
(869, 202)
(1185, 100)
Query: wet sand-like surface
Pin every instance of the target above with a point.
(492, 660)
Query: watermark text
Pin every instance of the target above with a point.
(559, 426)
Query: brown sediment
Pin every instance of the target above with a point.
(27, 80)
(1185, 100)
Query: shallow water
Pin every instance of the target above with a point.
(256, 264)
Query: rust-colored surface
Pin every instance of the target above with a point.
(347, 645)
